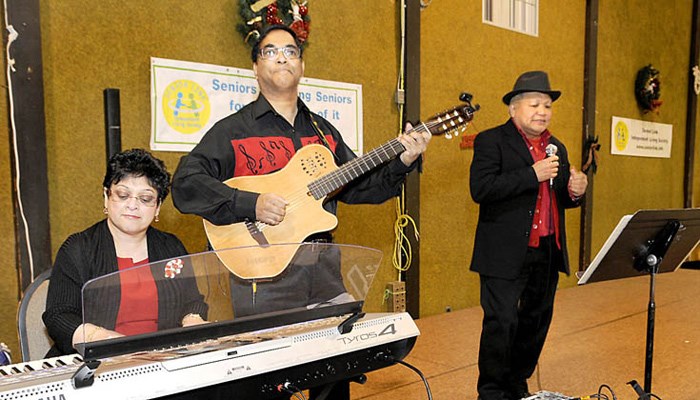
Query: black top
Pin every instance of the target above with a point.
(90, 254)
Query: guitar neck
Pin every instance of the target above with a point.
(359, 166)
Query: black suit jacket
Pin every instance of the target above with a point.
(505, 186)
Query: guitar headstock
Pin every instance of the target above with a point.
(453, 121)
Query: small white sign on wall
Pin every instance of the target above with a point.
(633, 137)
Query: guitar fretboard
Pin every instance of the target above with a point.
(355, 168)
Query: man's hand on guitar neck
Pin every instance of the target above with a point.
(415, 143)
(270, 208)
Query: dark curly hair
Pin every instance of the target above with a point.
(135, 163)
(256, 47)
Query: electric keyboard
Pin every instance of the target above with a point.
(254, 364)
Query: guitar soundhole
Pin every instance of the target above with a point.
(314, 164)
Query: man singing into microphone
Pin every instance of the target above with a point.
(521, 178)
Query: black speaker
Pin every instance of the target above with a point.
(113, 129)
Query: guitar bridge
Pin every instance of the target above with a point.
(255, 232)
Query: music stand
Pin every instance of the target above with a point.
(637, 246)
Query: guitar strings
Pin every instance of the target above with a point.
(394, 145)
(301, 197)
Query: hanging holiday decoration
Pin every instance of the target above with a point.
(647, 89)
(256, 15)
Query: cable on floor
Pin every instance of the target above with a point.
(420, 374)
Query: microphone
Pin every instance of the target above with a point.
(550, 150)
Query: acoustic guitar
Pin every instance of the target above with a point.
(304, 182)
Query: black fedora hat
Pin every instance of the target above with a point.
(532, 81)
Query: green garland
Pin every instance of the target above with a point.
(256, 15)
(647, 89)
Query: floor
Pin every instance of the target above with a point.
(598, 337)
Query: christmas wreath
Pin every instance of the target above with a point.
(256, 15)
(647, 89)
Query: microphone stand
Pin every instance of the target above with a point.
(649, 261)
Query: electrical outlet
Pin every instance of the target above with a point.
(397, 298)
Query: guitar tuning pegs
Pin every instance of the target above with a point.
(466, 97)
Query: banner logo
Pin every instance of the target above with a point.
(622, 136)
(186, 106)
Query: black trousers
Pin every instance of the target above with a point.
(517, 315)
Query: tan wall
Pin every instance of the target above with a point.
(88, 48)
(631, 37)
(110, 46)
(485, 60)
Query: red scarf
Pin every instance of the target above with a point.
(541, 218)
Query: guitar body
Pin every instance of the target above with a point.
(305, 216)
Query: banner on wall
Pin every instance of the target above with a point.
(188, 98)
(632, 137)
